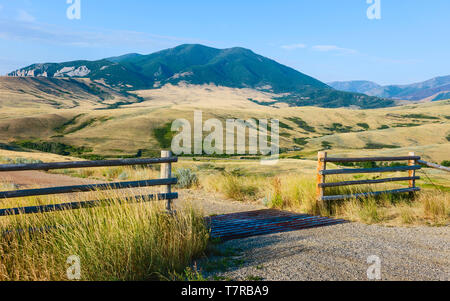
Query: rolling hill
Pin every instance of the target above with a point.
(142, 128)
(200, 65)
(60, 93)
(437, 88)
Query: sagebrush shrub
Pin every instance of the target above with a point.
(186, 178)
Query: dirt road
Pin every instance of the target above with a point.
(41, 179)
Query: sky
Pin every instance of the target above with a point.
(331, 40)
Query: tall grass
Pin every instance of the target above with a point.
(240, 188)
(123, 241)
(298, 193)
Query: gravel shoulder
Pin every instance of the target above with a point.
(340, 253)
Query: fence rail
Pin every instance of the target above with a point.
(165, 181)
(85, 204)
(367, 194)
(433, 165)
(86, 164)
(322, 172)
(370, 159)
(368, 170)
(85, 188)
(364, 182)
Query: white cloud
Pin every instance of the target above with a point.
(321, 48)
(293, 46)
(86, 37)
(24, 16)
(334, 48)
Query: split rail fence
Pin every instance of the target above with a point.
(166, 181)
(413, 164)
(323, 172)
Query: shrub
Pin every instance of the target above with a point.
(339, 128)
(326, 145)
(186, 178)
(164, 135)
(372, 145)
(364, 126)
(123, 176)
(54, 147)
(420, 116)
(302, 124)
(7, 160)
(301, 141)
(383, 127)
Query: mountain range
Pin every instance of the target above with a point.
(198, 65)
(434, 89)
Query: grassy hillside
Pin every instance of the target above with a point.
(42, 92)
(132, 129)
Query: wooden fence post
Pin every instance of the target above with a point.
(412, 173)
(166, 173)
(321, 165)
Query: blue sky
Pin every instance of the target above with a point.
(328, 39)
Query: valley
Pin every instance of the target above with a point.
(93, 129)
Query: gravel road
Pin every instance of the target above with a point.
(340, 253)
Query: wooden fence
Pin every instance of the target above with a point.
(166, 180)
(323, 172)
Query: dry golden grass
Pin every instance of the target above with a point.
(24, 93)
(122, 241)
(126, 130)
(298, 193)
(233, 187)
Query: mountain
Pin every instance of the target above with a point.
(357, 86)
(197, 65)
(437, 88)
